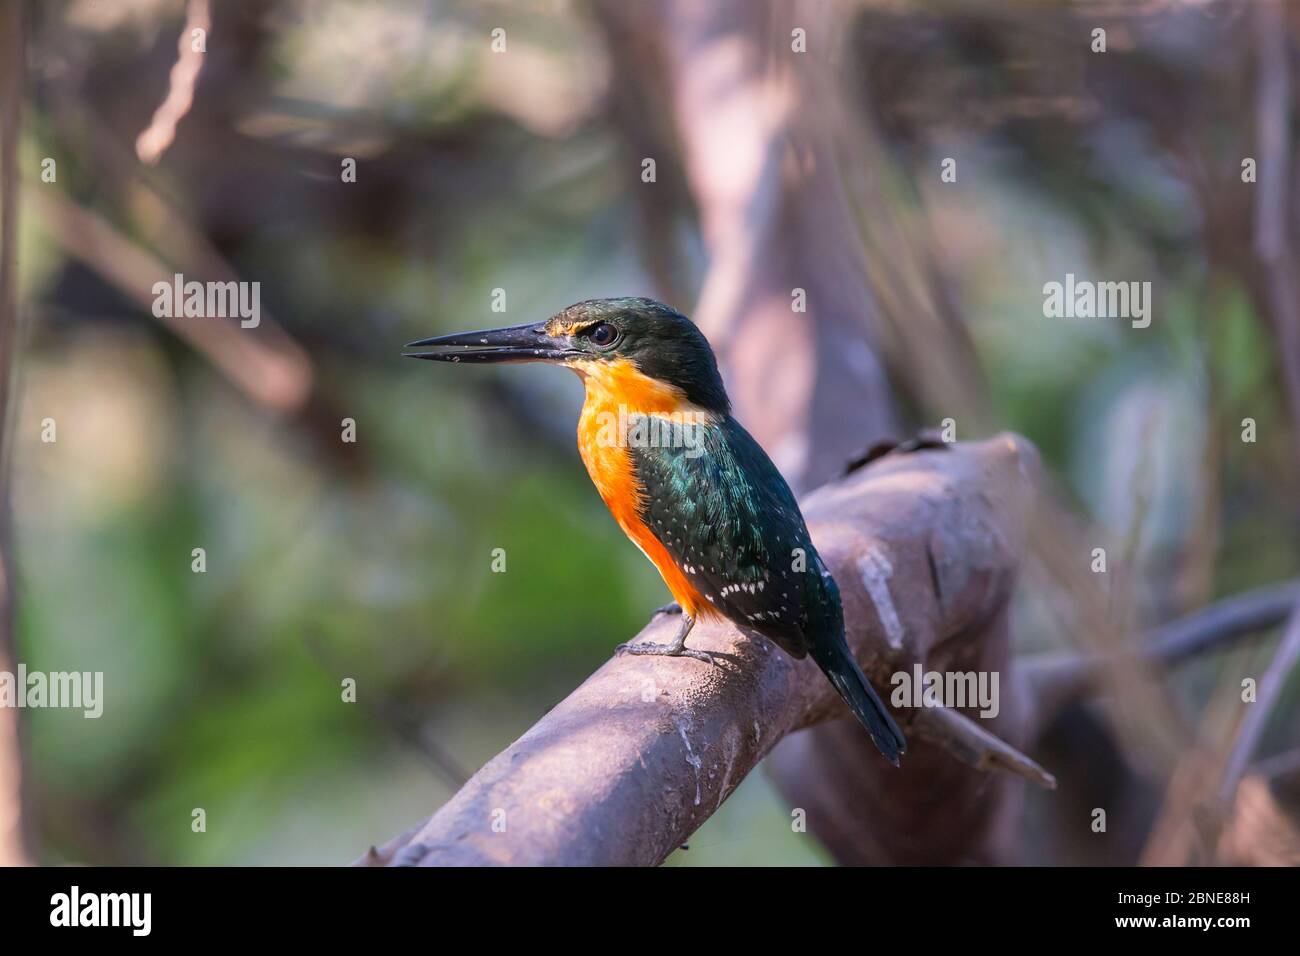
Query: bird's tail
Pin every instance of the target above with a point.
(838, 665)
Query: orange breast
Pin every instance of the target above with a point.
(613, 387)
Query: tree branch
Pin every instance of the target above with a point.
(1055, 680)
(14, 835)
(1272, 234)
(1271, 687)
(925, 549)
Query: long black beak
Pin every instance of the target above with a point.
(519, 343)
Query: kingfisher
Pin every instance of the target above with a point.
(691, 488)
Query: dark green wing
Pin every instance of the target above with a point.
(717, 503)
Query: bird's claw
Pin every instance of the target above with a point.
(664, 650)
(671, 607)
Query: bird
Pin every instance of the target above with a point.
(687, 484)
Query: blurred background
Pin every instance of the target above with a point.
(500, 154)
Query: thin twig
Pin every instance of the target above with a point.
(161, 131)
(266, 363)
(972, 744)
(1057, 679)
(1269, 691)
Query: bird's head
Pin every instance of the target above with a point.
(600, 338)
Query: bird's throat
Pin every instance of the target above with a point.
(616, 383)
(617, 392)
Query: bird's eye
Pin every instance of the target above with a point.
(602, 335)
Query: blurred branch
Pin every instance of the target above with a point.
(14, 831)
(282, 375)
(1279, 766)
(1056, 680)
(1084, 611)
(154, 140)
(405, 725)
(1258, 832)
(1202, 805)
(638, 88)
(265, 363)
(1273, 245)
(1270, 688)
(633, 761)
(786, 299)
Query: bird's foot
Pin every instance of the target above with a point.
(670, 608)
(664, 650)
